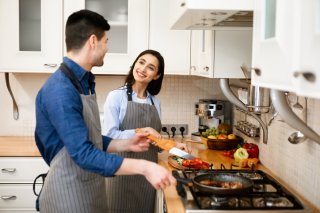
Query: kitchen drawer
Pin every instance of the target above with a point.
(17, 197)
(21, 170)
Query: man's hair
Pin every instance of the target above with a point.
(154, 86)
(81, 25)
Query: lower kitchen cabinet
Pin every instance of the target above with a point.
(16, 183)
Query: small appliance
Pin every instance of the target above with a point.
(211, 113)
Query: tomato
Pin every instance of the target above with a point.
(252, 149)
(195, 163)
(229, 153)
(186, 163)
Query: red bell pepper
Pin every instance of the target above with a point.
(252, 149)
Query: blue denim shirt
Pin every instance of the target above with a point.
(59, 123)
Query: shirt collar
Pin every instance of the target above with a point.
(80, 73)
(135, 94)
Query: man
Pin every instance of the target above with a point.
(68, 132)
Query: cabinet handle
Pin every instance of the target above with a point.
(8, 170)
(182, 4)
(247, 70)
(206, 68)
(193, 68)
(309, 76)
(50, 65)
(8, 197)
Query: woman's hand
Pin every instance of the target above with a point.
(149, 130)
(183, 146)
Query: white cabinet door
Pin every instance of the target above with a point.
(21, 169)
(286, 46)
(128, 36)
(202, 53)
(233, 48)
(174, 45)
(31, 35)
(220, 53)
(17, 197)
(274, 46)
(307, 75)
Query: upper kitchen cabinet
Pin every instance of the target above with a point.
(128, 35)
(220, 53)
(211, 14)
(31, 35)
(286, 43)
(307, 75)
(174, 45)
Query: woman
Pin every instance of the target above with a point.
(135, 106)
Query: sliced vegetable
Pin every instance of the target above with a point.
(240, 153)
(252, 162)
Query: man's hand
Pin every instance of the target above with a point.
(139, 143)
(158, 176)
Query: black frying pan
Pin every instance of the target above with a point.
(246, 184)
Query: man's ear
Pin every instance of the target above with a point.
(92, 40)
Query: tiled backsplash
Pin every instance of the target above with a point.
(178, 97)
(297, 165)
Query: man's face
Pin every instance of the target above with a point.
(101, 50)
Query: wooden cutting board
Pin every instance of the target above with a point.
(165, 144)
(174, 163)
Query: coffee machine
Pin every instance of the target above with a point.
(211, 113)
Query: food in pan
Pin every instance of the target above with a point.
(222, 184)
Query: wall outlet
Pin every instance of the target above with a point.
(170, 127)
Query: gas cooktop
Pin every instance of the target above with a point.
(267, 195)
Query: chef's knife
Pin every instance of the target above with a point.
(180, 153)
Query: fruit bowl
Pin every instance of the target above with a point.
(222, 144)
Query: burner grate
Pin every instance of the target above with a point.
(267, 193)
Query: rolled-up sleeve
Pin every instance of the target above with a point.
(64, 110)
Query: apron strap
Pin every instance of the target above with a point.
(72, 77)
(129, 94)
(43, 176)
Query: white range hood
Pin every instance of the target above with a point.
(211, 14)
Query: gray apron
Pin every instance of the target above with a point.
(68, 188)
(134, 194)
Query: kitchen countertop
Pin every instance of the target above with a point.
(21, 146)
(18, 146)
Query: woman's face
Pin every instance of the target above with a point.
(146, 69)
